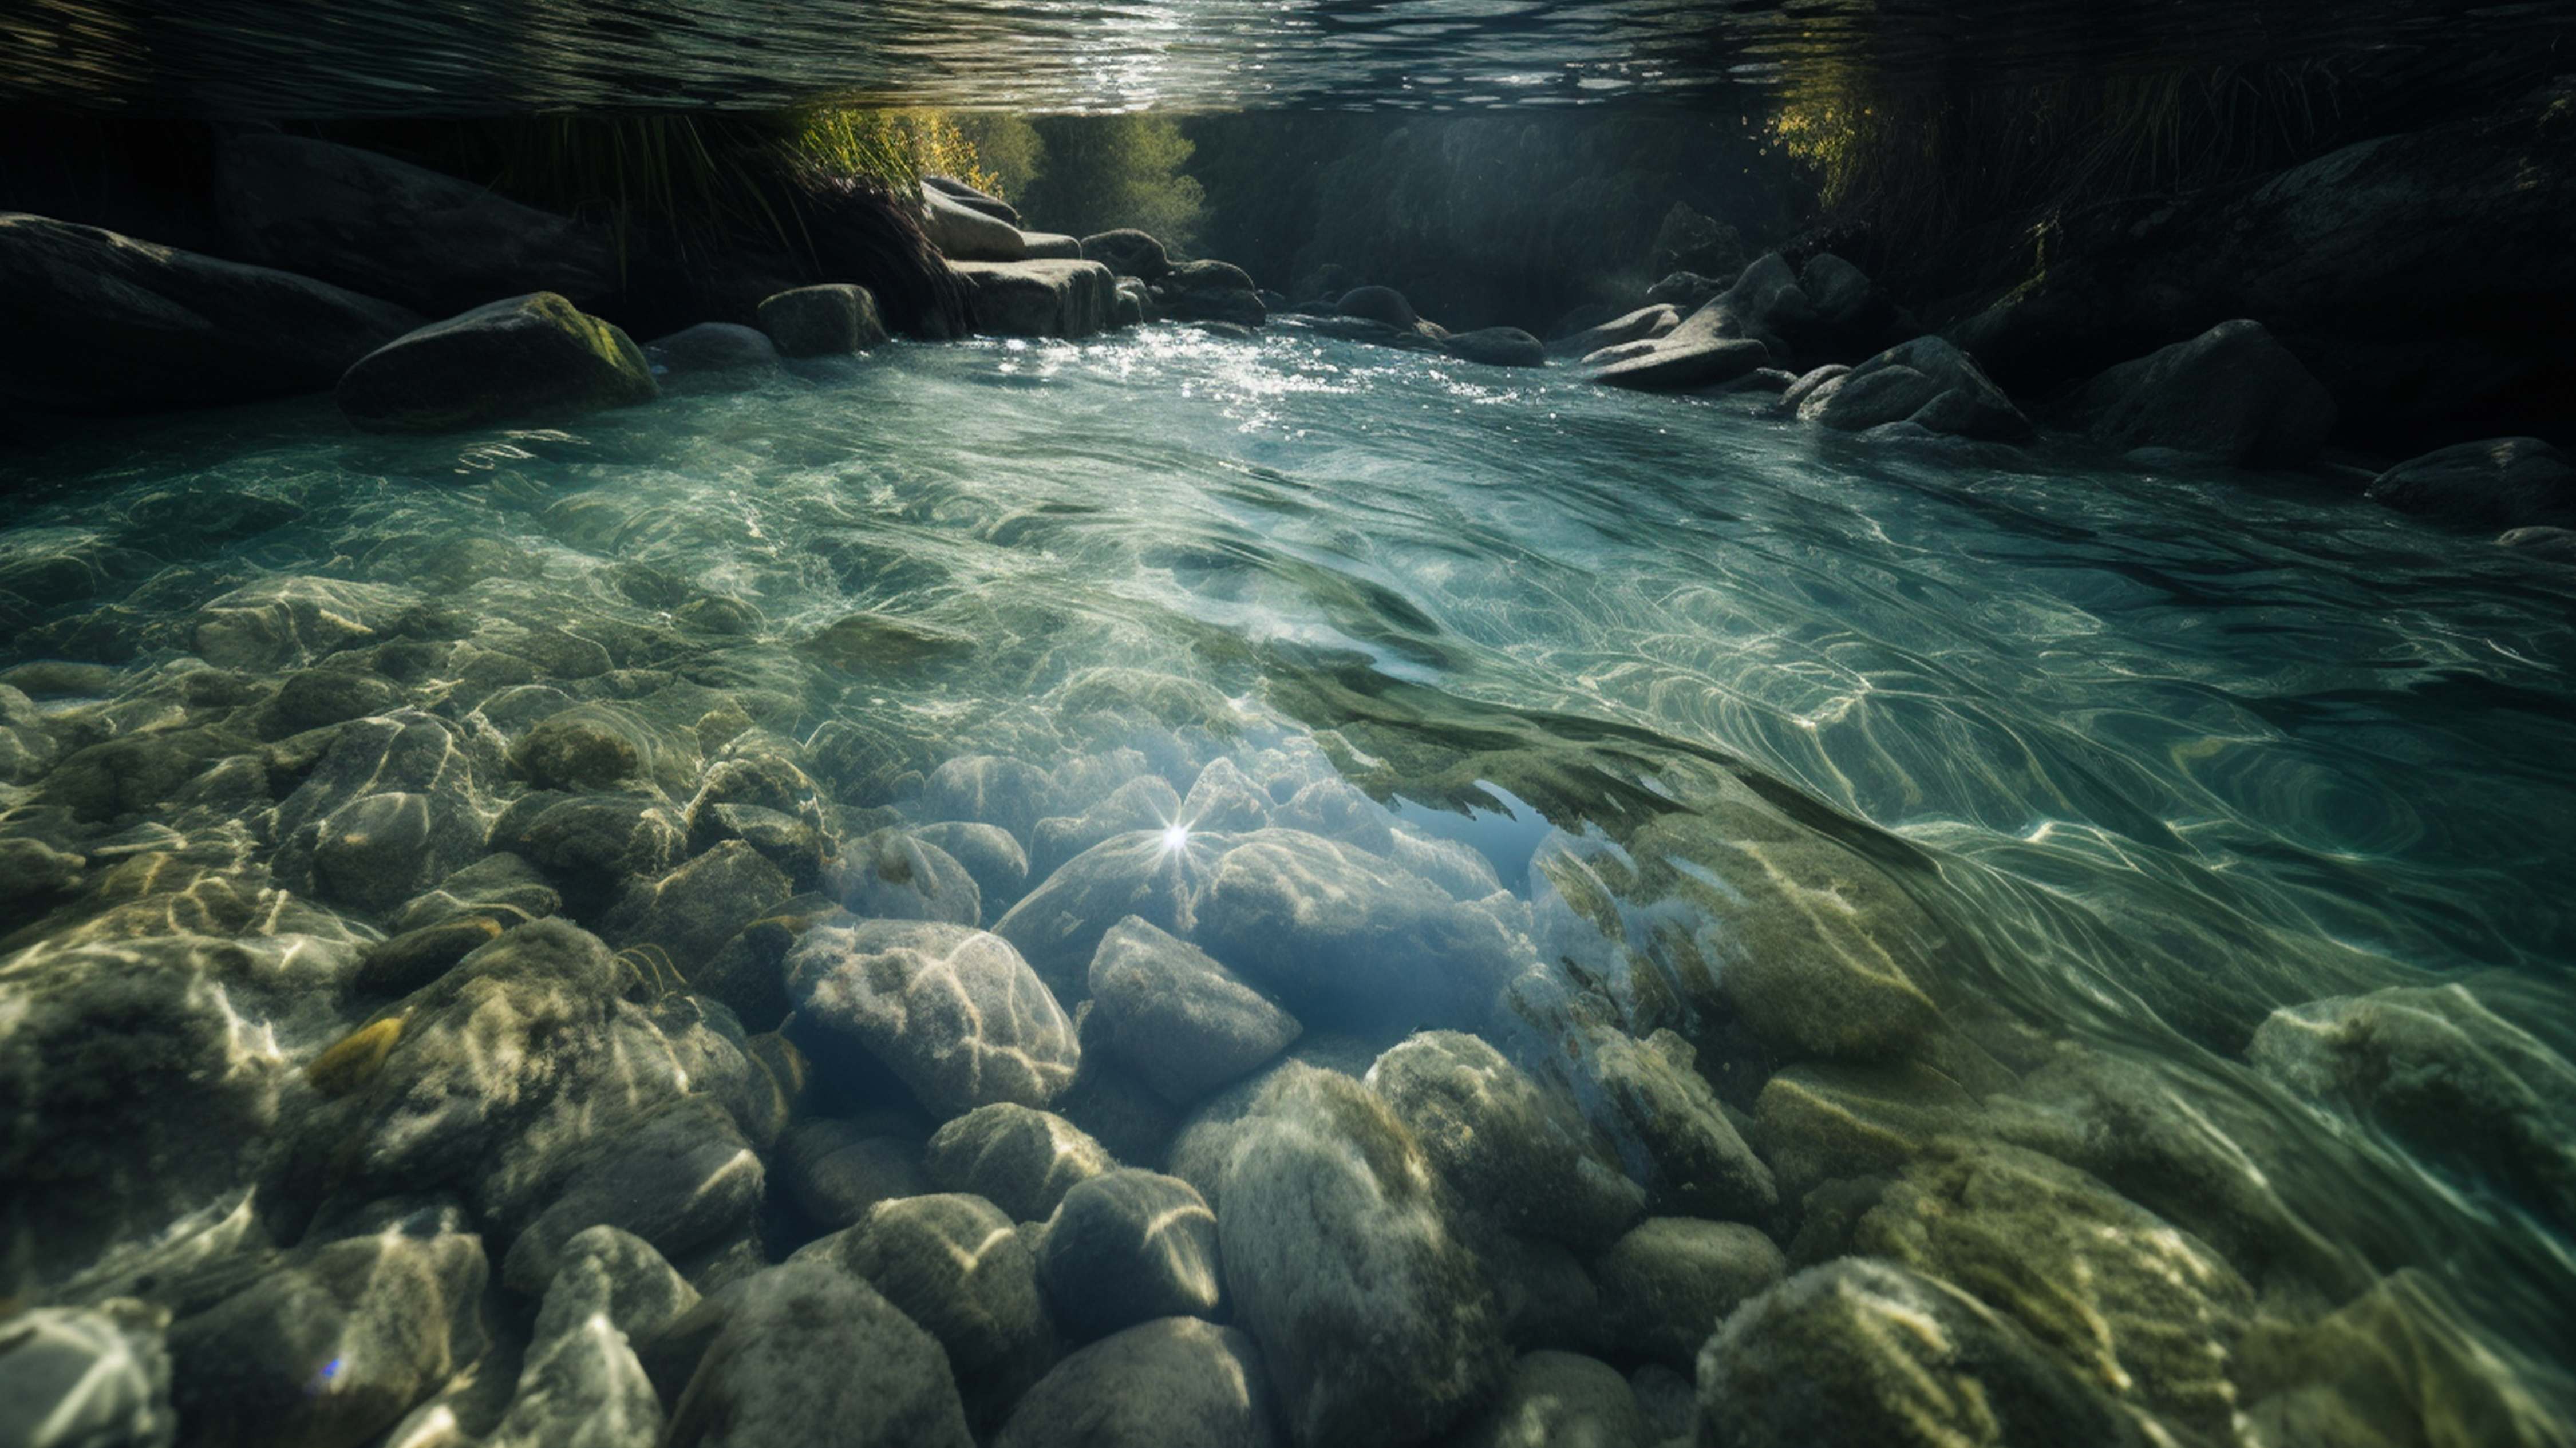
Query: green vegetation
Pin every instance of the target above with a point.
(1919, 162)
(1101, 172)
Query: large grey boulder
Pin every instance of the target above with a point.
(1671, 366)
(581, 1384)
(953, 1011)
(2233, 392)
(536, 356)
(823, 321)
(1176, 1382)
(1048, 298)
(1128, 253)
(677, 1180)
(1927, 382)
(1345, 1261)
(95, 319)
(963, 232)
(2504, 482)
(712, 357)
(1179, 1019)
(1210, 291)
(1643, 324)
(1860, 1351)
(972, 197)
(811, 1354)
(391, 229)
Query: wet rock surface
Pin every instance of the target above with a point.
(532, 356)
(953, 1011)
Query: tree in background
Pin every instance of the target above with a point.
(1102, 172)
(1006, 147)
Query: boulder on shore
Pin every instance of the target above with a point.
(1662, 368)
(1128, 252)
(2233, 392)
(532, 356)
(96, 319)
(972, 198)
(823, 321)
(963, 233)
(391, 229)
(1210, 291)
(1643, 324)
(1051, 298)
(1927, 382)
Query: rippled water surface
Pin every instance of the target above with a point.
(2151, 753)
(272, 58)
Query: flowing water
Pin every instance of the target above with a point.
(2124, 766)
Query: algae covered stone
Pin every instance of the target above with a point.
(1517, 1149)
(1670, 1281)
(955, 1012)
(1021, 1160)
(531, 356)
(1345, 1261)
(1860, 1351)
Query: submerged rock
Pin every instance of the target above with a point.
(2450, 1073)
(1344, 1260)
(1695, 1161)
(1643, 324)
(1173, 1383)
(1128, 1246)
(1181, 1021)
(2233, 392)
(581, 1384)
(1559, 1400)
(86, 1378)
(2144, 1310)
(953, 1265)
(1859, 1351)
(809, 1353)
(102, 320)
(1668, 1283)
(334, 1346)
(955, 1012)
(834, 1171)
(526, 357)
(1520, 1152)
(677, 1180)
(1021, 1160)
(896, 875)
(712, 357)
(1210, 291)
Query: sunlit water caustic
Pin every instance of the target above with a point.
(2028, 800)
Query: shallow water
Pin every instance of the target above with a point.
(2156, 751)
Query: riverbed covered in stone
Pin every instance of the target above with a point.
(1181, 890)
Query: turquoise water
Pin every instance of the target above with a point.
(2145, 753)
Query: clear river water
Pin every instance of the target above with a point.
(2225, 820)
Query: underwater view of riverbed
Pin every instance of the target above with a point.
(1487, 875)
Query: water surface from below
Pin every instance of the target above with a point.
(2177, 825)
